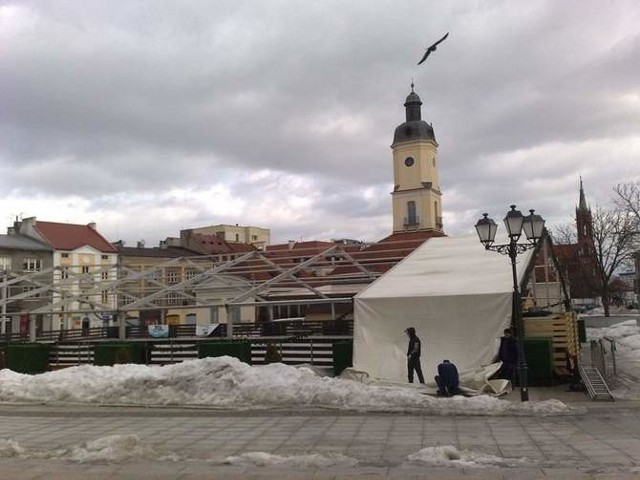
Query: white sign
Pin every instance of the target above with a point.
(159, 331)
(206, 330)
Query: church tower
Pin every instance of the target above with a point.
(584, 221)
(416, 193)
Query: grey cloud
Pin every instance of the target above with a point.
(106, 102)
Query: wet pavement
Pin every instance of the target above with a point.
(191, 444)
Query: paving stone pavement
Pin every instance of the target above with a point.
(603, 443)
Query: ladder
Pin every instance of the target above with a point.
(596, 386)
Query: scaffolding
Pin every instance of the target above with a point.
(254, 280)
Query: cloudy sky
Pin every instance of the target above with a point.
(152, 116)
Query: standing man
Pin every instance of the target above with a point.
(508, 355)
(413, 355)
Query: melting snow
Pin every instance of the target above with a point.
(113, 448)
(450, 455)
(228, 383)
(313, 460)
(9, 448)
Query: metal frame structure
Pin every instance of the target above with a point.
(255, 278)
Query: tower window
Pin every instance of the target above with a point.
(434, 161)
(409, 161)
(412, 218)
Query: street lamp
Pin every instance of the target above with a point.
(515, 223)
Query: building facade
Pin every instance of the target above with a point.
(22, 258)
(243, 234)
(84, 262)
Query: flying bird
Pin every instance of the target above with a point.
(432, 48)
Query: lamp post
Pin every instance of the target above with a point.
(4, 295)
(515, 223)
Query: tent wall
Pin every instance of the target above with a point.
(465, 330)
(456, 294)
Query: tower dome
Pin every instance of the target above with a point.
(414, 128)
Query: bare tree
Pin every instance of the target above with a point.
(628, 198)
(614, 243)
(564, 234)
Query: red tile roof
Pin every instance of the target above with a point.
(68, 236)
(208, 244)
(242, 247)
(166, 252)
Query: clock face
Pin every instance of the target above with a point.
(409, 161)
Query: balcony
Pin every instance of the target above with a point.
(412, 221)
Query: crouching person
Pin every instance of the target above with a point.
(447, 379)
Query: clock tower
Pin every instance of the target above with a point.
(416, 193)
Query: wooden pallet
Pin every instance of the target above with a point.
(562, 329)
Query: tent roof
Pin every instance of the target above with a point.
(448, 266)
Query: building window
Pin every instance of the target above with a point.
(105, 296)
(105, 257)
(64, 255)
(32, 265)
(254, 238)
(173, 298)
(86, 269)
(5, 262)
(64, 273)
(173, 275)
(153, 276)
(237, 237)
(104, 275)
(190, 273)
(412, 218)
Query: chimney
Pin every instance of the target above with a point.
(291, 244)
(92, 225)
(140, 244)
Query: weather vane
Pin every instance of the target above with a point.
(432, 48)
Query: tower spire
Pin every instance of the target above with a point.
(583, 201)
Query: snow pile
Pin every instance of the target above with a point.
(110, 449)
(450, 455)
(625, 333)
(228, 383)
(312, 460)
(627, 337)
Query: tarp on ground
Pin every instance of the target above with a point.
(457, 296)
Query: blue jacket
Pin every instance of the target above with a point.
(448, 373)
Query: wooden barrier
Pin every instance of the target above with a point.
(70, 355)
(562, 329)
(307, 351)
(316, 351)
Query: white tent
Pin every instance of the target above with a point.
(457, 296)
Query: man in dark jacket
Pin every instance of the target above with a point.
(508, 355)
(448, 379)
(413, 355)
